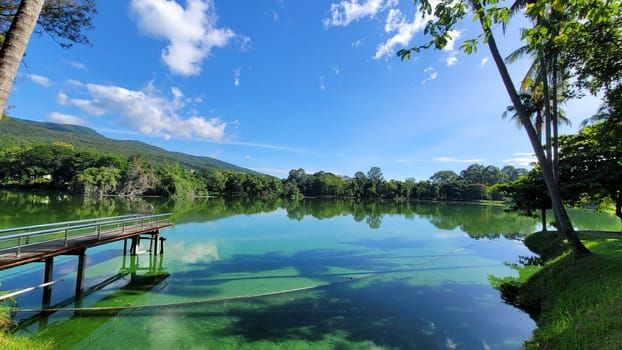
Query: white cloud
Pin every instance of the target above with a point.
(76, 64)
(66, 119)
(453, 36)
(522, 159)
(347, 11)
(452, 56)
(335, 69)
(61, 98)
(177, 94)
(236, 77)
(73, 82)
(456, 160)
(357, 43)
(322, 85)
(451, 59)
(191, 31)
(432, 74)
(394, 19)
(275, 16)
(39, 80)
(484, 61)
(396, 22)
(148, 112)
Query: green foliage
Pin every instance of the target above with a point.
(575, 301)
(63, 20)
(86, 162)
(591, 163)
(27, 134)
(528, 193)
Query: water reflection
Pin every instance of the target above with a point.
(192, 252)
(479, 221)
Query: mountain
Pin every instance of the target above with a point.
(21, 132)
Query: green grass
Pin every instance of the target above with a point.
(575, 301)
(11, 342)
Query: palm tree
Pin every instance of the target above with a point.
(14, 45)
(534, 105)
(563, 221)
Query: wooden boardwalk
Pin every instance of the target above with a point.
(41, 243)
(40, 251)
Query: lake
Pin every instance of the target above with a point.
(321, 274)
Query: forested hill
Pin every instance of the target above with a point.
(20, 132)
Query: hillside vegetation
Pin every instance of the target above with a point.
(20, 132)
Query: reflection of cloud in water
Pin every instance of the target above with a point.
(167, 331)
(193, 252)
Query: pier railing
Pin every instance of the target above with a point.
(20, 237)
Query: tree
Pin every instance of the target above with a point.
(473, 174)
(14, 45)
(446, 15)
(512, 173)
(443, 176)
(529, 195)
(101, 180)
(591, 162)
(64, 20)
(376, 180)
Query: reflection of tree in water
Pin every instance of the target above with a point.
(213, 208)
(31, 208)
(476, 220)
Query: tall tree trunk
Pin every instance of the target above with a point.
(14, 45)
(564, 225)
(538, 124)
(543, 218)
(547, 105)
(555, 121)
(619, 207)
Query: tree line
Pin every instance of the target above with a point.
(590, 173)
(59, 166)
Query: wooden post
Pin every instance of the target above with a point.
(134, 245)
(47, 277)
(124, 247)
(163, 239)
(80, 277)
(155, 242)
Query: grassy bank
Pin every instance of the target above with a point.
(575, 302)
(12, 342)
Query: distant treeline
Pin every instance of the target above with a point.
(58, 166)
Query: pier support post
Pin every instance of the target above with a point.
(80, 277)
(47, 277)
(156, 239)
(134, 245)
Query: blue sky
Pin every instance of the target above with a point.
(275, 85)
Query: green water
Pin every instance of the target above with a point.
(240, 274)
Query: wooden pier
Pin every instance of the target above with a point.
(41, 243)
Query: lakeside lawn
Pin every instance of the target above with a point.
(575, 301)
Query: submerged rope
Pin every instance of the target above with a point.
(364, 275)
